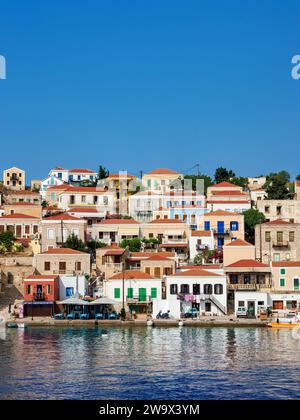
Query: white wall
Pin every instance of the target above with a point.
(111, 285)
(235, 208)
(250, 297)
(206, 241)
(70, 281)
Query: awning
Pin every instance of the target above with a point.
(134, 231)
(102, 301)
(175, 233)
(38, 303)
(74, 301)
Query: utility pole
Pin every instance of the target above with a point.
(62, 233)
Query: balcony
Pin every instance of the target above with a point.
(248, 286)
(174, 241)
(138, 299)
(39, 297)
(221, 232)
(115, 267)
(281, 244)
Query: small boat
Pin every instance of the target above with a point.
(12, 325)
(285, 323)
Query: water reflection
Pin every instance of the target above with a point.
(149, 363)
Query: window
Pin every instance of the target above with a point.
(234, 226)
(117, 293)
(241, 304)
(130, 293)
(261, 303)
(268, 236)
(292, 236)
(267, 209)
(218, 289)
(157, 272)
(276, 257)
(208, 289)
(234, 279)
(279, 237)
(51, 234)
(69, 292)
(29, 289)
(27, 230)
(148, 270)
(196, 289)
(62, 267)
(296, 284)
(185, 289)
(206, 225)
(49, 289)
(282, 271)
(47, 266)
(173, 289)
(77, 266)
(83, 199)
(154, 293)
(282, 282)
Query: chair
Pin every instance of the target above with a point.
(99, 317)
(84, 317)
(71, 317)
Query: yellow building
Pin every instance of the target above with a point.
(226, 226)
(14, 179)
(162, 180)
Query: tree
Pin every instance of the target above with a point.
(103, 172)
(298, 178)
(7, 240)
(134, 244)
(252, 217)
(73, 242)
(223, 174)
(278, 186)
(207, 181)
(240, 181)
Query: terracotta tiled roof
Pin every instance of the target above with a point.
(279, 222)
(63, 251)
(228, 201)
(286, 264)
(41, 277)
(146, 255)
(20, 203)
(18, 216)
(202, 267)
(234, 193)
(221, 213)
(23, 192)
(91, 209)
(206, 233)
(118, 222)
(166, 221)
(196, 272)
(81, 171)
(64, 216)
(115, 252)
(157, 257)
(225, 184)
(163, 171)
(132, 274)
(86, 190)
(247, 264)
(238, 242)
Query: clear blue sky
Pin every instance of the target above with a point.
(141, 84)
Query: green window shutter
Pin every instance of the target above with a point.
(142, 295)
(282, 283)
(296, 284)
(282, 271)
(130, 293)
(154, 293)
(117, 293)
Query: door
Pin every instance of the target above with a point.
(220, 243)
(207, 307)
(221, 227)
(142, 295)
(19, 231)
(251, 308)
(278, 305)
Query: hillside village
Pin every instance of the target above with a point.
(83, 244)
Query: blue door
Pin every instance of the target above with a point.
(207, 225)
(221, 228)
(220, 243)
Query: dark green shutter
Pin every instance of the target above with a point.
(130, 292)
(142, 295)
(117, 293)
(154, 293)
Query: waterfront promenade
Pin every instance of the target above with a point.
(205, 322)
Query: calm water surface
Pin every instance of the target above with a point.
(173, 363)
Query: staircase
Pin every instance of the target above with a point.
(218, 304)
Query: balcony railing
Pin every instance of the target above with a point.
(222, 231)
(139, 299)
(38, 297)
(248, 286)
(174, 241)
(281, 244)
